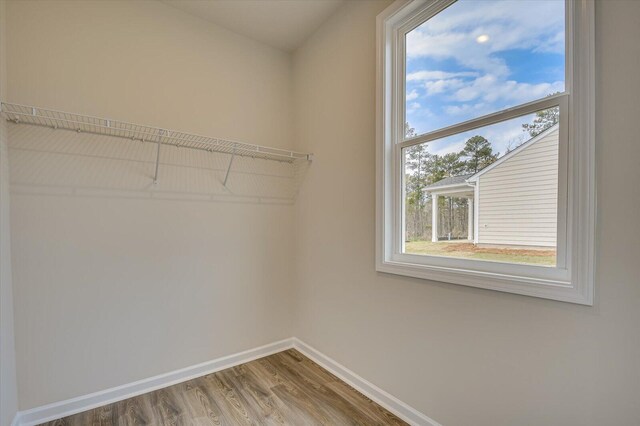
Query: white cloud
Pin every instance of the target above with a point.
(473, 79)
(461, 47)
(510, 24)
(439, 86)
(555, 44)
(412, 95)
(490, 89)
(475, 109)
(438, 75)
(438, 148)
(418, 112)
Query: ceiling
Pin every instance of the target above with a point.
(283, 24)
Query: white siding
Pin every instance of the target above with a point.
(519, 197)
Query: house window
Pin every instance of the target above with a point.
(485, 145)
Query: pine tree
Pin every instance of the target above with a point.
(478, 154)
(417, 161)
(544, 119)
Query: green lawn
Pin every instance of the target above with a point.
(467, 250)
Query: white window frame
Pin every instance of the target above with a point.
(572, 280)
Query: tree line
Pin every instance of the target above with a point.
(423, 169)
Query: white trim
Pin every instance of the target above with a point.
(16, 420)
(462, 185)
(476, 212)
(582, 169)
(486, 120)
(58, 410)
(470, 218)
(454, 191)
(572, 280)
(434, 216)
(371, 391)
(79, 404)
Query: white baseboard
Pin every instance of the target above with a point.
(371, 391)
(79, 404)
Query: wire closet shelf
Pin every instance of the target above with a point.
(24, 114)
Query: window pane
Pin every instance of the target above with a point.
(496, 189)
(475, 58)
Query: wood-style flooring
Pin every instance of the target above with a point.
(282, 389)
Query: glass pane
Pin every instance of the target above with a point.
(475, 58)
(496, 192)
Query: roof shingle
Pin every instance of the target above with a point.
(451, 180)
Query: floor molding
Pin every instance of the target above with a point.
(371, 391)
(79, 404)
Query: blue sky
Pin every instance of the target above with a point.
(481, 56)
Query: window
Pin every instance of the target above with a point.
(486, 144)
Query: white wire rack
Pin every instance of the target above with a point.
(24, 114)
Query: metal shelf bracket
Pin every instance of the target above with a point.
(155, 175)
(226, 176)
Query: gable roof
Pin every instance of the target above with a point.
(513, 153)
(448, 181)
(469, 179)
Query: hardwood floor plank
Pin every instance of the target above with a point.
(166, 407)
(134, 411)
(332, 404)
(286, 388)
(265, 403)
(374, 411)
(201, 405)
(233, 407)
(286, 396)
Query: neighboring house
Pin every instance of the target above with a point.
(513, 201)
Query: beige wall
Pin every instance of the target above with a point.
(464, 356)
(117, 279)
(518, 198)
(8, 386)
(147, 63)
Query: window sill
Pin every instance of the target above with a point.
(536, 287)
